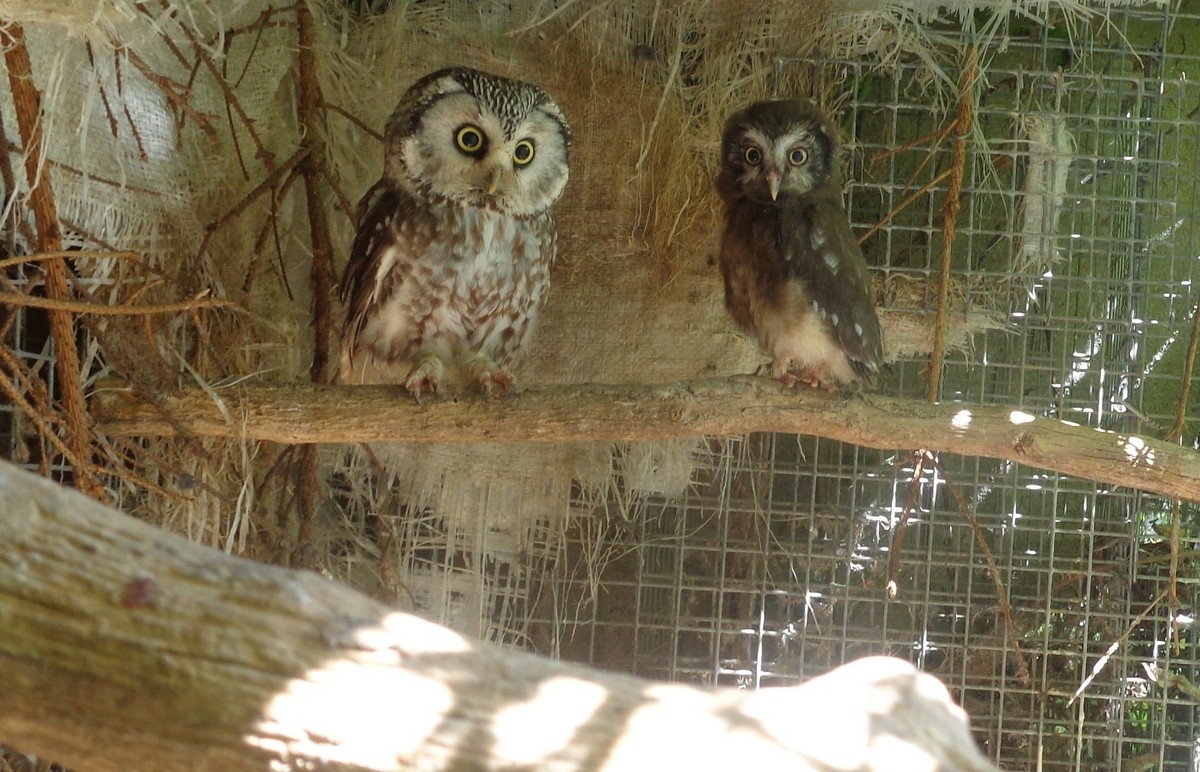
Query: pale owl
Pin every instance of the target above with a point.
(451, 261)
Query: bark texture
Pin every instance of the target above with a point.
(126, 648)
(716, 407)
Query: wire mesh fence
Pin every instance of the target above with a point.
(1077, 233)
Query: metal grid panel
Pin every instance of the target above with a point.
(771, 568)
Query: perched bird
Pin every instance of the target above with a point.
(794, 275)
(451, 261)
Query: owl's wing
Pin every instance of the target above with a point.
(819, 248)
(369, 277)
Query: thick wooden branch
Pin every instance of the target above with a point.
(717, 407)
(126, 648)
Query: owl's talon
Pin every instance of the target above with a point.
(491, 379)
(424, 378)
(817, 379)
(426, 385)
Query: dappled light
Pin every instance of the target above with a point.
(1019, 417)
(1137, 451)
(547, 724)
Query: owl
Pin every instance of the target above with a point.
(451, 260)
(794, 275)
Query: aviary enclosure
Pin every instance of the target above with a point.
(1023, 177)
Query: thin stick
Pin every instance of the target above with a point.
(343, 201)
(938, 134)
(313, 148)
(1014, 633)
(1173, 572)
(1100, 663)
(99, 309)
(266, 157)
(308, 108)
(267, 184)
(176, 93)
(903, 205)
(70, 255)
(353, 119)
(112, 119)
(88, 175)
(133, 129)
(676, 65)
(41, 422)
(27, 104)
(962, 128)
(910, 501)
(1185, 392)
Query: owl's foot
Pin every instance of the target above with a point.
(492, 379)
(497, 382)
(816, 377)
(424, 378)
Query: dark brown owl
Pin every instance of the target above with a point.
(794, 275)
(451, 261)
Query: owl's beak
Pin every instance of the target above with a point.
(774, 177)
(494, 181)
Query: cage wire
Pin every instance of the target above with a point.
(756, 561)
(1077, 229)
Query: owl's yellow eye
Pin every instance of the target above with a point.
(523, 152)
(469, 139)
(797, 156)
(753, 155)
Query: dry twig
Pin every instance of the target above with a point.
(268, 183)
(28, 108)
(962, 128)
(1015, 633)
(901, 526)
(69, 255)
(1189, 369)
(233, 104)
(101, 309)
(175, 92)
(1112, 649)
(313, 147)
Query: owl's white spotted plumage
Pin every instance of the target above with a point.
(794, 274)
(451, 262)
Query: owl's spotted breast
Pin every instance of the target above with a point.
(475, 291)
(450, 264)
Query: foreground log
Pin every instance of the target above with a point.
(126, 648)
(715, 408)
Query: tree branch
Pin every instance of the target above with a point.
(27, 104)
(715, 407)
(127, 648)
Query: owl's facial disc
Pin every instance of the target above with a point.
(769, 165)
(468, 151)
